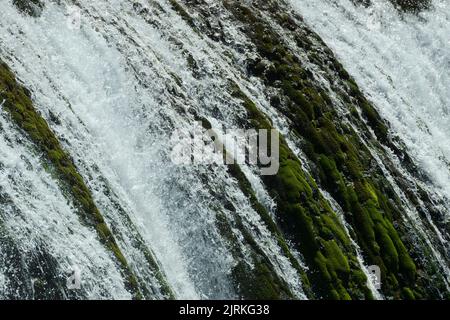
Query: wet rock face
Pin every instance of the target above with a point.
(405, 5)
(412, 5)
(332, 176)
(353, 179)
(30, 7)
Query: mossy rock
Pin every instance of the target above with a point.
(254, 279)
(305, 218)
(340, 161)
(30, 7)
(17, 101)
(412, 5)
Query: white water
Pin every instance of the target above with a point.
(38, 217)
(113, 99)
(402, 63)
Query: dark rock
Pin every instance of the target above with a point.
(32, 8)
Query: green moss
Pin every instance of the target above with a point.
(374, 119)
(183, 13)
(30, 7)
(255, 279)
(412, 5)
(331, 223)
(408, 294)
(340, 162)
(321, 264)
(258, 282)
(245, 186)
(306, 219)
(18, 103)
(388, 250)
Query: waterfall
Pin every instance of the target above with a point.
(115, 79)
(402, 62)
(114, 115)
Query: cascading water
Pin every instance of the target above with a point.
(115, 79)
(402, 62)
(33, 208)
(116, 125)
